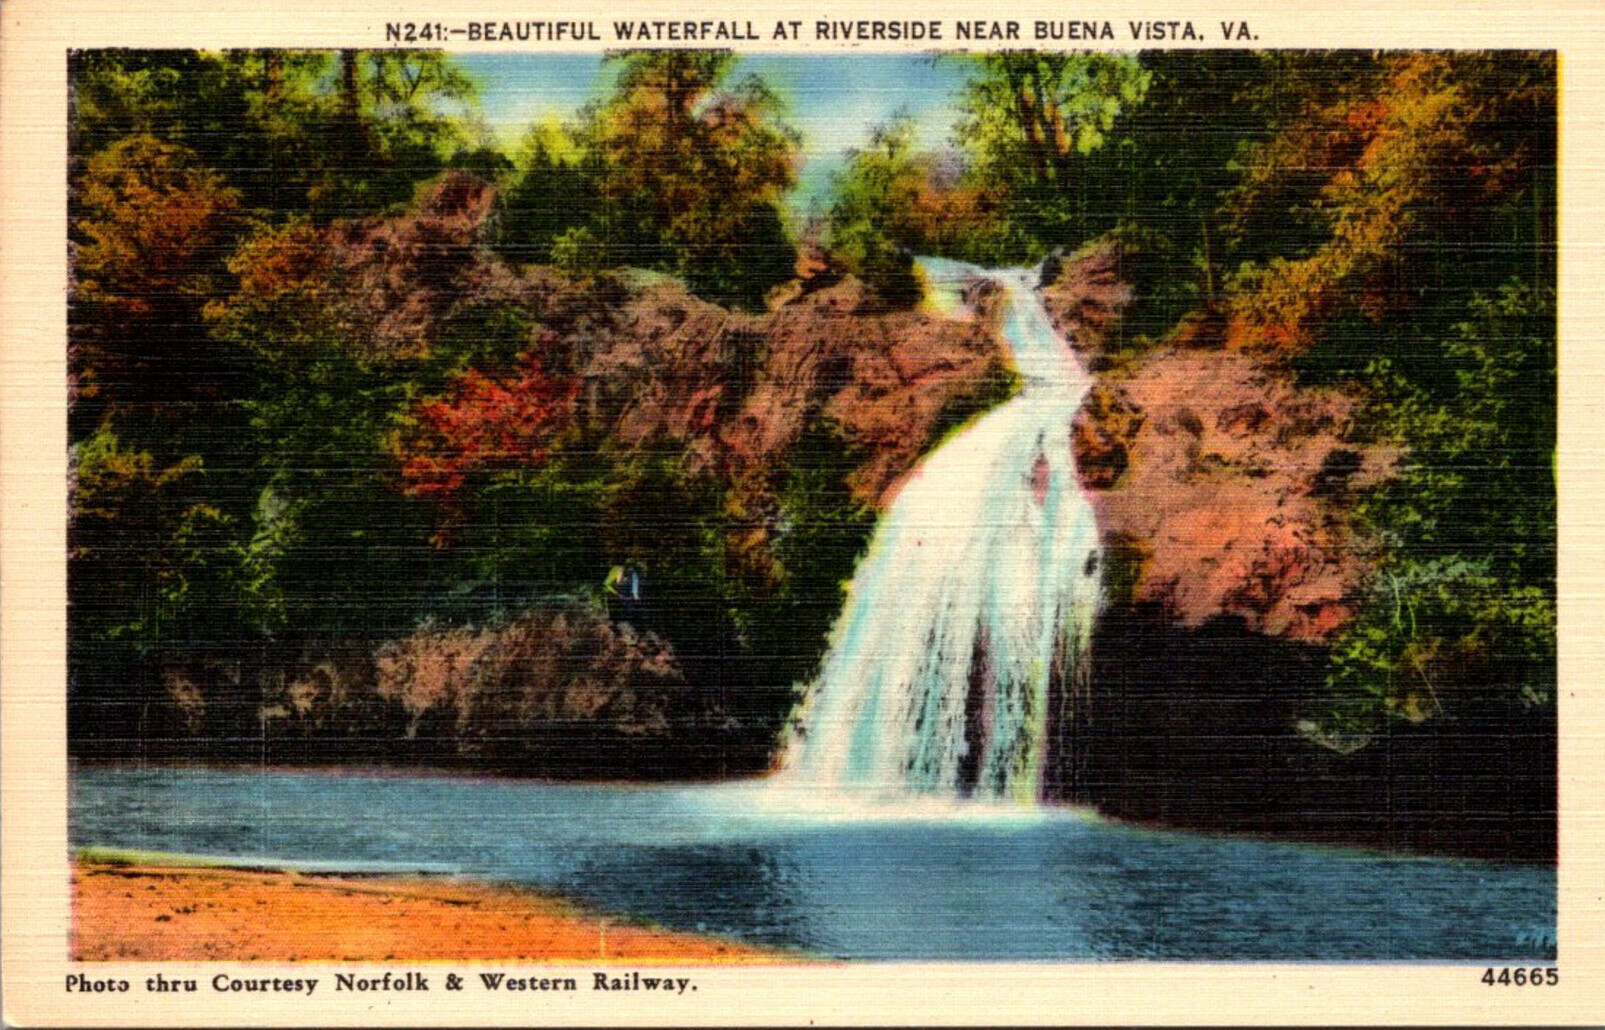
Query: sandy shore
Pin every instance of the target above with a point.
(146, 912)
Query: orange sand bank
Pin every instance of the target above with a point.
(148, 913)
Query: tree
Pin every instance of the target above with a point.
(1168, 167)
(388, 126)
(874, 198)
(151, 229)
(693, 173)
(1063, 148)
(485, 424)
(1463, 610)
(327, 393)
(1030, 117)
(156, 573)
(1422, 163)
(350, 132)
(555, 192)
(893, 201)
(203, 101)
(1419, 274)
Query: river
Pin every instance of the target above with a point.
(906, 823)
(953, 880)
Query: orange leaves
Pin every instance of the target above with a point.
(151, 227)
(287, 305)
(152, 219)
(485, 423)
(374, 290)
(273, 263)
(1388, 164)
(688, 159)
(943, 215)
(1364, 118)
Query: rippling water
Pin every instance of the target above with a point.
(932, 880)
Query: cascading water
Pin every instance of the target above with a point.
(972, 611)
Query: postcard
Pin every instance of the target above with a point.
(739, 514)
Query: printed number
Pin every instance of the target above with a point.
(1544, 976)
(412, 32)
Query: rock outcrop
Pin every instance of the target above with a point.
(829, 386)
(739, 390)
(658, 365)
(1224, 491)
(1213, 473)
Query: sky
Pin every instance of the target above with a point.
(833, 100)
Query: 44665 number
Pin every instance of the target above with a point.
(1539, 976)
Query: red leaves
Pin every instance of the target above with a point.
(485, 424)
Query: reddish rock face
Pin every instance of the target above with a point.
(1226, 477)
(1086, 296)
(1218, 472)
(402, 273)
(655, 364)
(740, 389)
(644, 364)
(1230, 472)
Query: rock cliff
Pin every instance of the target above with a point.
(1223, 490)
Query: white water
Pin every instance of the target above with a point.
(971, 613)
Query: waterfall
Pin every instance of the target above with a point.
(971, 612)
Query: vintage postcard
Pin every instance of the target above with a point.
(657, 514)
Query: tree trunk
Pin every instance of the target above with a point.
(274, 60)
(351, 86)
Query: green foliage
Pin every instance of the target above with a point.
(1421, 170)
(203, 101)
(482, 162)
(168, 555)
(156, 573)
(553, 200)
(881, 183)
(1398, 224)
(1032, 117)
(746, 259)
(885, 267)
(321, 412)
(577, 251)
(820, 532)
(151, 221)
(386, 127)
(333, 133)
(980, 395)
(1386, 223)
(1173, 162)
(893, 201)
(525, 535)
(1061, 148)
(254, 348)
(1166, 280)
(660, 515)
(487, 335)
(692, 170)
(1466, 595)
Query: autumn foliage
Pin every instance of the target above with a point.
(1397, 166)
(366, 412)
(485, 423)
